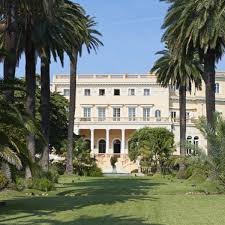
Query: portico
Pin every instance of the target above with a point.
(107, 141)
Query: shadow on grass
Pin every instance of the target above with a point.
(104, 220)
(84, 193)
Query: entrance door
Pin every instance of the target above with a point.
(117, 146)
(102, 146)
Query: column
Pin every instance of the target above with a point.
(107, 141)
(123, 141)
(92, 140)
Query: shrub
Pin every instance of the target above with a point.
(60, 167)
(43, 184)
(153, 145)
(3, 181)
(134, 171)
(52, 175)
(96, 172)
(21, 183)
(183, 174)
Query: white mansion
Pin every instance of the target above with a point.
(109, 108)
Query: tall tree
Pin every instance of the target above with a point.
(88, 37)
(180, 72)
(198, 24)
(45, 107)
(10, 46)
(58, 33)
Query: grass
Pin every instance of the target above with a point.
(117, 201)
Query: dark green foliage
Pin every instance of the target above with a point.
(58, 120)
(60, 167)
(42, 184)
(95, 172)
(52, 175)
(216, 140)
(83, 163)
(153, 145)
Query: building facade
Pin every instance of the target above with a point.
(109, 108)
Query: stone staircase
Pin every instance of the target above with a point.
(123, 165)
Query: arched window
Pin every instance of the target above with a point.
(116, 146)
(102, 146)
(196, 141)
(158, 115)
(189, 143)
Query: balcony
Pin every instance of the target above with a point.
(122, 120)
(133, 120)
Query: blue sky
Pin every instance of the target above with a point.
(131, 32)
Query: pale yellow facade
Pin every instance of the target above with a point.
(109, 108)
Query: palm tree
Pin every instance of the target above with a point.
(87, 37)
(8, 9)
(58, 35)
(31, 14)
(14, 126)
(180, 72)
(200, 25)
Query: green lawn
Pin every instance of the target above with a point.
(116, 201)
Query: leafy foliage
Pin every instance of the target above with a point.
(83, 163)
(153, 145)
(216, 140)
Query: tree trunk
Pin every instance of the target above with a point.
(209, 78)
(72, 107)
(6, 171)
(182, 105)
(45, 102)
(10, 59)
(30, 75)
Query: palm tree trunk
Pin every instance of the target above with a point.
(30, 75)
(209, 78)
(182, 105)
(6, 171)
(72, 107)
(45, 101)
(10, 46)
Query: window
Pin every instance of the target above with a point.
(66, 92)
(116, 92)
(132, 113)
(196, 141)
(146, 114)
(131, 92)
(189, 143)
(101, 92)
(102, 146)
(217, 88)
(158, 115)
(146, 92)
(173, 116)
(116, 114)
(101, 114)
(87, 92)
(87, 114)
